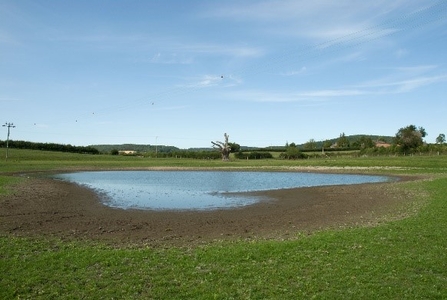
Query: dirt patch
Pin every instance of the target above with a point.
(47, 207)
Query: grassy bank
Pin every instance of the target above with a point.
(402, 259)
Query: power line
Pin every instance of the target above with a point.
(9, 125)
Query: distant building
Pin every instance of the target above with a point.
(382, 144)
(127, 152)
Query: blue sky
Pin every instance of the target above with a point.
(183, 73)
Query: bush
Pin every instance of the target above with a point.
(292, 152)
(253, 155)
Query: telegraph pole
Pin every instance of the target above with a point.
(9, 125)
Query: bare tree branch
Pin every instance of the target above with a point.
(223, 147)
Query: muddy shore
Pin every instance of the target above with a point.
(46, 207)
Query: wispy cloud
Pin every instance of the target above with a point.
(322, 20)
(415, 69)
(172, 108)
(213, 80)
(209, 80)
(404, 85)
(172, 58)
(329, 24)
(296, 72)
(218, 49)
(405, 79)
(171, 49)
(402, 80)
(331, 93)
(305, 96)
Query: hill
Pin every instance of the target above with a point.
(353, 138)
(166, 149)
(107, 148)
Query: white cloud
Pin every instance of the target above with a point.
(407, 85)
(331, 93)
(403, 80)
(172, 58)
(274, 97)
(296, 72)
(322, 19)
(209, 80)
(218, 49)
(172, 108)
(416, 69)
(214, 80)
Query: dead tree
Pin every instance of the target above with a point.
(224, 148)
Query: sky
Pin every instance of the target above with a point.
(183, 73)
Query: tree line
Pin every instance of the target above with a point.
(50, 147)
(183, 154)
(408, 140)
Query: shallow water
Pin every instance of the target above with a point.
(198, 190)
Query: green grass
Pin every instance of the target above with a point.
(6, 181)
(404, 259)
(31, 160)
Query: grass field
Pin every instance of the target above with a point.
(404, 259)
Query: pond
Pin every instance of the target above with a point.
(198, 190)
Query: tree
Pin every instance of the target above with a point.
(327, 144)
(234, 147)
(310, 145)
(223, 147)
(440, 139)
(410, 138)
(343, 141)
(364, 142)
(292, 152)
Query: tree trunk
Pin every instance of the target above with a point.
(223, 147)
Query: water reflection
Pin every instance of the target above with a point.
(198, 190)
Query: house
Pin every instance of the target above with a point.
(127, 152)
(382, 144)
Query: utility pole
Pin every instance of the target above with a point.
(9, 125)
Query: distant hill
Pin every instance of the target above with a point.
(106, 148)
(353, 138)
(164, 148)
(134, 147)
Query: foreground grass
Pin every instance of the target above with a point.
(403, 259)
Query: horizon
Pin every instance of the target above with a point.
(211, 146)
(184, 73)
